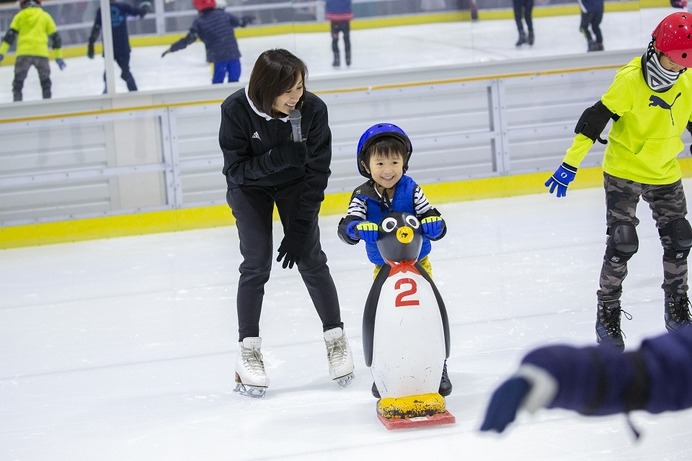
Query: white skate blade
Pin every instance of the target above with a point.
(250, 391)
(344, 381)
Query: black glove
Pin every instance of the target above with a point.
(144, 8)
(293, 243)
(289, 154)
(90, 50)
(245, 20)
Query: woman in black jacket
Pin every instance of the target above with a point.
(265, 166)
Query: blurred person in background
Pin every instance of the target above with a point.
(340, 14)
(215, 28)
(591, 17)
(523, 12)
(32, 28)
(121, 38)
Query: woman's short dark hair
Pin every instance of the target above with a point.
(274, 73)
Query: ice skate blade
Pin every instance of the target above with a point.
(344, 381)
(250, 391)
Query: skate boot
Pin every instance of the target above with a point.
(530, 39)
(444, 390)
(522, 38)
(337, 60)
(608, 330)
(250, 376)
(677, 312)
(339, 356)
(348, 58)
(591, 46)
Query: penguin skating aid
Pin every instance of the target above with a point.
(405, 331)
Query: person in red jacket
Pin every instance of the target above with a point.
(340, 14)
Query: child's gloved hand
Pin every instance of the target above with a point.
(363, 230)
(61, 63)
(433, 226)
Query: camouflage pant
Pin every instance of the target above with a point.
(21, 68)
(667, 203)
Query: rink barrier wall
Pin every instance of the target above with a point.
(94, 167)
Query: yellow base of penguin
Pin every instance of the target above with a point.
(413, 411)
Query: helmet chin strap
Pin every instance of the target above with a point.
(657, 77)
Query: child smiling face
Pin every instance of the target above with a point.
(386, 168)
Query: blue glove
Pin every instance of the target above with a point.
(433, 226)
(2, 56)
(363, 230)
(561, 178)
(61, 63)
(504, 404)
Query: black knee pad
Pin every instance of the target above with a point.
(680, 233)
(623, 242)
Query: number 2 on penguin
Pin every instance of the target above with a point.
(410, 290)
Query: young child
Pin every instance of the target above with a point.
(214, 27)
(646, 102)
(32, 28)
(382, 156)
(121, 37)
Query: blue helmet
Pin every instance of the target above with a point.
(378, 131)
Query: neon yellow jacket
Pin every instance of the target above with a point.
(33, 26)
(644, 143)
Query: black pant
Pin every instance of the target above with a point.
(345, 28)
(523, 9)
(252, 208)
(592, 19)
(123, 61)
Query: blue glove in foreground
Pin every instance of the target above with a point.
(61, 63)
(561, 178)
(433, 226)
(367, 231)
(504, 404)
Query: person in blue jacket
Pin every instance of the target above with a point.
(340, 14)
(382, 157)
(215, 27)
(121, 38)
(598, 380)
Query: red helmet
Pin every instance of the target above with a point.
(201, 5)
(673, 37)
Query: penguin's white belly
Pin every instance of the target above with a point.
(408, 339)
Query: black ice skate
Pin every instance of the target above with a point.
(522, 38)
(608, 330)
(337, 60)
(530, 38)
(677, 312)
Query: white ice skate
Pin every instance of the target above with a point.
(339, 356)
(250, 376)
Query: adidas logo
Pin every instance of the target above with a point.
(256, 135)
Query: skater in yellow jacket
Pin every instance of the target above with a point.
(650, 104)
(32, 29)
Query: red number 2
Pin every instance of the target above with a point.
(411, 290)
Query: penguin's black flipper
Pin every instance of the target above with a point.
(370, 311)
(440, 303)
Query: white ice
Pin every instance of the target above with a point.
(373, 49)
(124, 349)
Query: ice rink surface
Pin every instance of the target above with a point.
(124, 349)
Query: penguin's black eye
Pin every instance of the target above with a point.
(412, 221)
(388, 224)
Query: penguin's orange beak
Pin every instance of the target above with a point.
(404, 235)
